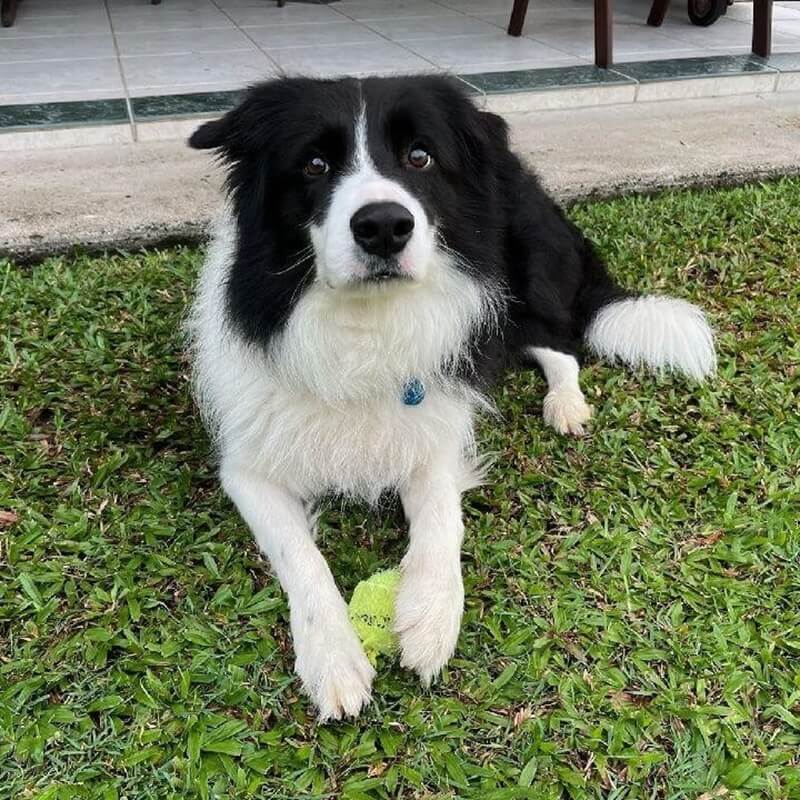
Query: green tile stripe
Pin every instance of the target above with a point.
(172, 106)
(783, 62)
(687, 68)
(68, 114)
(536, 80)
(177, 106)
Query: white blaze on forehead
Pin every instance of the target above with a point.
(339, 260)
(361, 157)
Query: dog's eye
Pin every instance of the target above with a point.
(419, 158)
(316, 166)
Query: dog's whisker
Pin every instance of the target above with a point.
(301, 283)
(301, 256)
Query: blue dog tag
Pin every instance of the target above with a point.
(413, 392)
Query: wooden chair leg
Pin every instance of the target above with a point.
(9, 12)
(657, 12)
(762, 27)
(517, 17)
(603, 34)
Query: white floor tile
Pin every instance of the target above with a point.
(356, 59)
(482, 6)
(784, 47)
(75, 24)
(181, 42)
(727, 33)
(59, 8)
(269, 14)
(34, 80)
(542, 62)
(626, 56)
(167, 6)
(499, 20)
(744, 11)
(578, 39)
(471, 52)
(787, 26)
(370, 10)
(49, 48)
(156, 18)
(537, 18)
(429, 27)
(230, 70)
(279, 37)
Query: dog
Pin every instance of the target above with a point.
(383, 259)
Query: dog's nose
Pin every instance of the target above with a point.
(382, 229)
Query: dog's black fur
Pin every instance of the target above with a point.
(488, 207)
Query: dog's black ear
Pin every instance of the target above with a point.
(246, 126)
(496, 128)
(211, 134)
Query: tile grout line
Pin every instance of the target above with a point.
(365, 24)
(124, 80)
(244, 33)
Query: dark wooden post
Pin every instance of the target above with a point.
(9, 12)
(762, 27)
(517, 17)
(603, 33)
(657, 12)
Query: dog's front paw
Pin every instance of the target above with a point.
(566, 411)
(428, 613)
(333, 668)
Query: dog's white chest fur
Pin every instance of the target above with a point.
(321, 410)
(358, 448)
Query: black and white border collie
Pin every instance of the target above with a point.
(383, 259)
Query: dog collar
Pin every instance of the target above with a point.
(413, 392)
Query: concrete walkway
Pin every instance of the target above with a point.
(156, 193)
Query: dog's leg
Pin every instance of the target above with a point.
(329, 658)
(431, 596)
(565, 408)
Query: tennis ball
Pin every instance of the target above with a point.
(372, 613)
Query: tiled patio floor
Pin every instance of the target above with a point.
(85, 49)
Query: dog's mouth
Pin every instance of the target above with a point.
(383, 271)
(384, 275)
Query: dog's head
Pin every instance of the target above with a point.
(361, 185)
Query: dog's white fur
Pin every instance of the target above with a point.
(565, 408)
(662, 333)
(322, 411)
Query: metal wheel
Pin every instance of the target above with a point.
(706, 12)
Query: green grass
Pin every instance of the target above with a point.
(632, 625)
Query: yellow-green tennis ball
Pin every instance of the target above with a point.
(372, 613)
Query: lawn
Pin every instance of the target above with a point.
(632, 625)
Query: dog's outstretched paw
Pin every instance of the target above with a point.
(566, 411)
(335, 671)
(428, 619)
